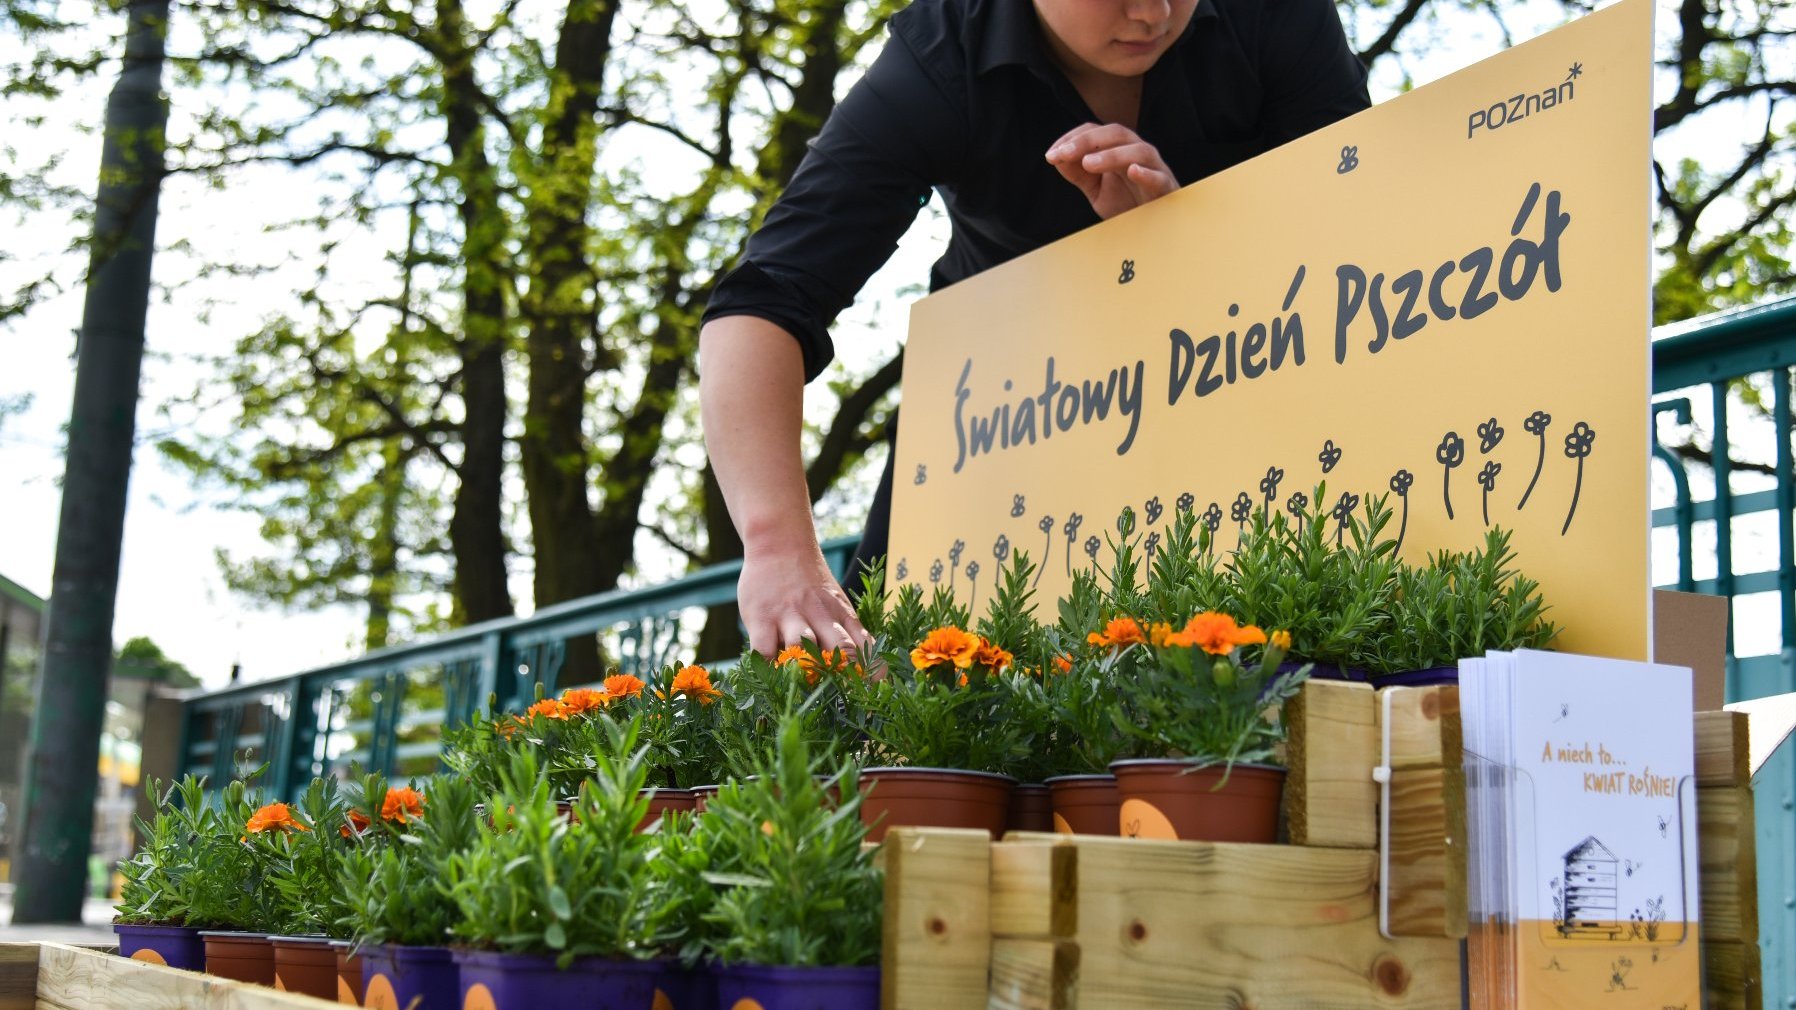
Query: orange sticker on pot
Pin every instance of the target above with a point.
(1141, 819)
(1060, 825)
(345, 994)
(662, 1002)
(479, 997)
(380, 994)
(146, 954)
(745, 1003)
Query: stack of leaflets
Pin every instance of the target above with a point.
(1581, 807)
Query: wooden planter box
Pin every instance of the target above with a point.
(53, 976)
(1049, 922)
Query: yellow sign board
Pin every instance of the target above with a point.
(1444, 298)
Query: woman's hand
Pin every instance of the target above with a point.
(1112, 166)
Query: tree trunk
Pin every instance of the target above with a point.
(476, 530)
(383, 557)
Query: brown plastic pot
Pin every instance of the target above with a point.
(662, 801)
(1177, 800)
(934, 798)
(1086, 804)
(1031, 809)
(305, 964)
(700, 794)
(241, 957)
(350, 990)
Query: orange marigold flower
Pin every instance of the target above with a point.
(1159, 633)
(580, 700)
(695, 683)
(548, 708)
(358, 823)
(272, 816)
(402, 802)
(1121, 631)
(1281, 640)
(1063, 663)
(992, 657)
(832, 661)
(1216, 634)
(622, 685)
(946, 645)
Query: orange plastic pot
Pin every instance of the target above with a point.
(241, 957)
(305, 964)
(1031, 809)
(934, 798)
(1176, 800)
(663, 801)
(349, 974)
(1086, 804)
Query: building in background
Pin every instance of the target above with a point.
(138, 669)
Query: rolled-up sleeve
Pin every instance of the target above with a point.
(1313, 77)
(896, 134)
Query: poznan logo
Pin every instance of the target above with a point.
(1524, 104)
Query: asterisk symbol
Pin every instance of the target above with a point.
(1576, 71)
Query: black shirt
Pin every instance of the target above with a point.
(965, 100)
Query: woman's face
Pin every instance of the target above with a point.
(1116, 38)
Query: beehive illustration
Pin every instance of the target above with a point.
(1590, 891)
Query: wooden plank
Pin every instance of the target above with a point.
(1727, 851)
(1731, 976)
(936, 951)
(70, 978)
(1033, 974)
(1723, 749)
(1427, 882)
(18, 976)
(1034, 889)
(1193, 924)
(1425, 727)
(1330, 799)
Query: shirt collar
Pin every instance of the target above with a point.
(1012, 35)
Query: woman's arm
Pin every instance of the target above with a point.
(751, 392)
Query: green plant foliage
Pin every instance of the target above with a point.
(394, 894)
(302, 863)
(161, 879)
(784, 850)
(232, 892)
(1462, 603)
(1180, 701)
(543, 882)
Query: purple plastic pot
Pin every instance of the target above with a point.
(495, 981)
(773, 987)
(1431, 677)
(678, 987)
(394, 976)
(175, 946)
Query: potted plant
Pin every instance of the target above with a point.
(558, 911)
(1458, 604)
(795, 919)
(1328, 582)
(398, 915)
(232, 901)
(376, 815)
(301, 847)
(936, 724)
(154, 904)
(1203, 705)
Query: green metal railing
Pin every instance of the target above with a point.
(1719, 370)
(386, 710)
